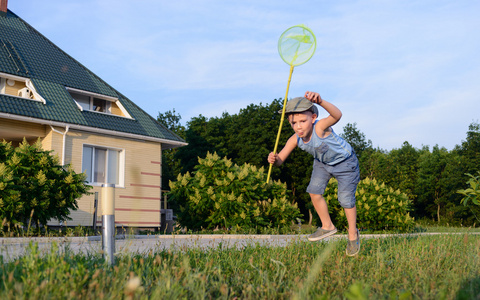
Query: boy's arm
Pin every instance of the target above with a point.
(334, 113)
(278, 159)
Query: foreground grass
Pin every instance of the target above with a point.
(416, 267)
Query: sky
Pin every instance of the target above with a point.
(401, 70)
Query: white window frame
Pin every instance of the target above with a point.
(121, 164)
(108, 100)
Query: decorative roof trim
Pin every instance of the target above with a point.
(32, 88)
(28, 84)
(14, 77)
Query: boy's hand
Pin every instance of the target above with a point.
(313, 97)
(272, 158)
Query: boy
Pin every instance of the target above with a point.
(333, 156)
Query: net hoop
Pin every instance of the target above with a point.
(297, 45)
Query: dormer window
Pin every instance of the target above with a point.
(18, 87)
(91, 103)
(98, 103)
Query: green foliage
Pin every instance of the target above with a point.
(379, 207)
(429, 178)
(171, 120)
(248, 137)
(473, 192)
(397, 168)
(34, 188)
(171, 166)
(470, 149)
(223, 194)
(439, 173)
(356, 138)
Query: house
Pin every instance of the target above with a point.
(47, 94)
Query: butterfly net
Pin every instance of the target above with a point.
(296, 45)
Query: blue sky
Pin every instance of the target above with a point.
(402, 70)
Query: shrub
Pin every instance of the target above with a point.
(379, 207)
(34, 187)
(222, 194)
(473, 192)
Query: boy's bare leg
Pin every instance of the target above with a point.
(351, 214)
(322, 210)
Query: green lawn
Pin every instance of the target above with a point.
(416, 267)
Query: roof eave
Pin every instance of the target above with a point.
(166, 143)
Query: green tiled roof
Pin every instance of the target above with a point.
(27, 53)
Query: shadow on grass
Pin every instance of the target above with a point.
(419, 229)
(470, 289)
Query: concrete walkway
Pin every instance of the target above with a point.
(11, 248)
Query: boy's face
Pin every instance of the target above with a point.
(302, 123)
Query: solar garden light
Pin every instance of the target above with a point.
(108, 222)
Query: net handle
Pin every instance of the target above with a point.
(281, 121)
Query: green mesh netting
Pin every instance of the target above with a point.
(297, 45)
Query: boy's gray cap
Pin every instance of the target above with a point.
(300, 104)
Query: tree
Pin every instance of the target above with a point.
(433, 182)
(171, 120)
(467, 161)
(356, 138)
(470, 149)
(363, 148)
(197, 136)
(397, 168)
(170, 166)
(35, 187)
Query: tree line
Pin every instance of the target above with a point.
(430, 177)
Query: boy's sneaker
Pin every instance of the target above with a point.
(321, 234)
(353, 247)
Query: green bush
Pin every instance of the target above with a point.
(379, 207)
(34, 187)
(473, 192)
(221, 194)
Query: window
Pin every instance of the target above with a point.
(82, 100)
(101, 105)
(98, 103)
(103, 165)
(92, 103)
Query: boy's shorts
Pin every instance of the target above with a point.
(347, 174)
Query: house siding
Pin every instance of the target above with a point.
(18, 129)
(54, 141)
(137, 203)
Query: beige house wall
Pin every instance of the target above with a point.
(15, 131)
(137, 201)
(54, 141)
